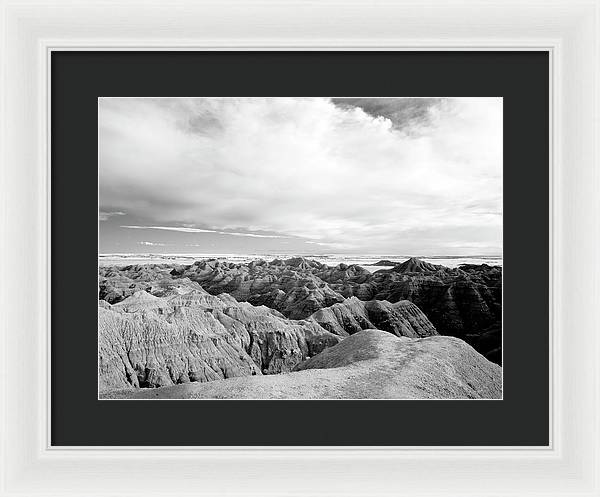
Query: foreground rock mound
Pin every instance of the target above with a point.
(148, 341)
(370, 364)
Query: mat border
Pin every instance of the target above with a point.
(567, 30)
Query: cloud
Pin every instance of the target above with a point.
(105, 216)
(407, 114)
(370, 175)
(184, 229)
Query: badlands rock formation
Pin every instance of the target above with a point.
(353, 315)
(169, 325)
(370, 364)
(465, 302)
(148, 341)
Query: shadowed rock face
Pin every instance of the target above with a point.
(465, 302)
(192, 336)
(370, 364)
(353, 315)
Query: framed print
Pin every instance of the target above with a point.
(242, 249)
(271, 317)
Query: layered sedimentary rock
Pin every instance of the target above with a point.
(291, 287)
(353, 315)
(370, 364)
(188, 335)
(465, 302)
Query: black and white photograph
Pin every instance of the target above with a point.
(300, 248)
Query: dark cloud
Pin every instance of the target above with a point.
(406, 114)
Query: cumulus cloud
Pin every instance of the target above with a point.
(368, 175)
(410, 115)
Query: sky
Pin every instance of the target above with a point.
(410, 176)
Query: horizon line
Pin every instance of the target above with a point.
(300, 254)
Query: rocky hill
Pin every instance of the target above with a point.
(414, 265)
(370, 364)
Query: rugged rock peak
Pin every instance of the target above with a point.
(138, 301)
(302, 263)
(343, 273)
(353, 315)
(139, 297)
(345, 318)
(480, 268)
(148, 341)
(401, 318)
(148, 350)
(415, 265)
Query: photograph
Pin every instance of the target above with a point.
(300, 248)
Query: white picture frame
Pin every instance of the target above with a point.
(568, 29)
